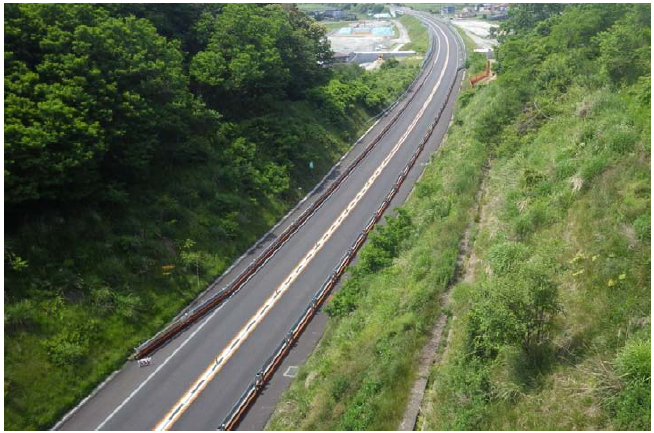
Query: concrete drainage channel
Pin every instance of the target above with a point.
(175, 328)
(269, 367)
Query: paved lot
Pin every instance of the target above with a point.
(479, 31)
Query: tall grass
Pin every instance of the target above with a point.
(577, 202)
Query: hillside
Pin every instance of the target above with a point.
(146, 147)
(546, 175)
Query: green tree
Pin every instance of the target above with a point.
(93, 107)
(625, 50)
(256, 51)
(524, 17)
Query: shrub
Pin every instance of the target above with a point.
(593, 166)
(516, 310)
(643, 227)
(622, 139)
(633, 362)
(631, 406)
(66, 348)
(506, 257)
(19, 313)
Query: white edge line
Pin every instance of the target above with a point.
(163, 364)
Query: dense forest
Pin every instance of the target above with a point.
(146, 147)
(527, 240)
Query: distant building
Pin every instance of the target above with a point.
(334, 13)
(467, 13)
(339, 14)
(448, 10)
(499, 17)
(340, 57)
(380, 16)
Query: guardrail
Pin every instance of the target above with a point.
(188, 319)
(271, 364)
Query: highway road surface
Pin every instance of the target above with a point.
(194, 381)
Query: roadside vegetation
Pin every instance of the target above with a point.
(475, 62)
(360, 9)
(434, 8)
(418, 34)
(146, 147)
(552, 329)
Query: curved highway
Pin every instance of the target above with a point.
(195, 380)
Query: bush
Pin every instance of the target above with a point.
(622, 138)
(643, 226)
(593, 166)
(631, 406)
(386, 242)
(506, 257)
(513, 310)
(66, 348)
(20, 313)
(633, 363)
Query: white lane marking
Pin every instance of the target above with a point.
(163, 364)
(210, 372)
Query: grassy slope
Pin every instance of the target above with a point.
(430, 7)
(417, 33)
(73, 330)
(588, 214)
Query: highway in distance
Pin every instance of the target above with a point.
(195, 380)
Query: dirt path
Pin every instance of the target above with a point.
(464, 266)
(403, 39)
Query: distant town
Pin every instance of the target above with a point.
(487, 11)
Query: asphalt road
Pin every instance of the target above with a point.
(184, 388)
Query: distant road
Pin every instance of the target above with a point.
(195, 380)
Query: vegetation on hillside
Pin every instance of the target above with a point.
(418, 34)
(361, 9)
(146, 146)
(475, 62)
(551, 328)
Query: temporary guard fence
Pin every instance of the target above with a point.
(184, 322)
(268, 368)
(474, 80)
